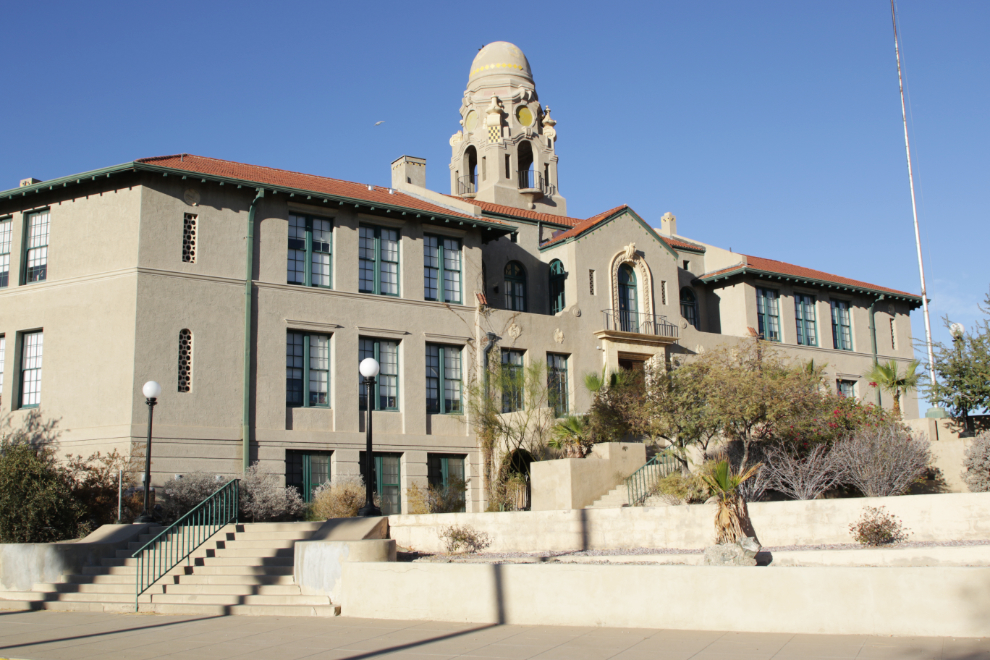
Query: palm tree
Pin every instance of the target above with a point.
(568, 435)
(886, 376)
(723, 484)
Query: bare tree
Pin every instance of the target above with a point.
(803, 478)
(883, 460)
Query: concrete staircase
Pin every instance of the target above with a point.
(613, 499)
(244, 569)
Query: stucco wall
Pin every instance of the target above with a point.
(574, 483)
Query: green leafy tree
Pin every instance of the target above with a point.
(962, 370)
(891, 380)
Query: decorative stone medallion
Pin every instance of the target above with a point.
(515, 331)
(191, 196)
(558, 336)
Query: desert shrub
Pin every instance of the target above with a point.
(803, 477)
(37, 504)
(977, 464)
(340, 498)
(178, 496)
(457, 538)
(263, 498)
(882, 460)
(96, 483)
(678, 488)
(877, 527)
(437, 499)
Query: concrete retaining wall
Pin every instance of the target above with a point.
(574, 483)
(318, 564)
(846, 601)
(955, 516)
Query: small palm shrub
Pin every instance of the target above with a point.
(876, 527)
(724, 485)
(977, 464)
(678, 488)
(340, 498)
(458, 538)
(883, 460)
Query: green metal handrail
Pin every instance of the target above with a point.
(640, 483)
(180, 539)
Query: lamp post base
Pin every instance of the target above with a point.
(144, 518)
(369, 510)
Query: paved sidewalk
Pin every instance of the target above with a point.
(71, 635)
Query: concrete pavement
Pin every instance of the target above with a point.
(48, 635)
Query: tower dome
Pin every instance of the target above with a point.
(500, 58)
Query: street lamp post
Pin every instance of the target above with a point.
(151, 391)
(369, 369)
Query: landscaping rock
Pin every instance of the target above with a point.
(741, 553)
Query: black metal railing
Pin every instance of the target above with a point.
(466, 185)
(530, 180)
(643, 324)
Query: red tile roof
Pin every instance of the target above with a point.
(309, 182)
(681, 244)
(584, 225)
(501, 209)
(786, 269)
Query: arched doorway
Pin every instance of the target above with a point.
(514, 473)
(527, 174)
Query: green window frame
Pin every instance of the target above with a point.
(387, 479)
(378, 260)
(841, 326)
(6, 232)
(38, 227)
(307, 370)
(768, 313)
(306, 471)
(557, 383)
(512, 380)
(32, 348)
(3, 362)
(386, 387)
(846, 388)
(444, 380)
(558, 275)
(443, 469)
(442, 279)
(804, 317)
(515, 287)
(310, 257)
(628, 300)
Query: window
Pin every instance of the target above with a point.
(512, 381)
(31, 349)
(307, 370)
(767, 314)
(689, 306)
(557, 277)
(557, 383)
(310, 242)
(591, 281)
(508, 166)
(36, 268)
(687, 265)
(444, 471)
(841, 328)
(846, 388)
(306, 471)
(442, 269)
(804, 313)
(443, 375)
(515, 287)
(628, 303)
(5, 228)
(3, 362)
(185, 360)
(663, 292)
(387, 480)
(189, 238)
(379, 261)
(893, 335)
(386, 394)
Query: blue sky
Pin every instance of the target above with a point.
(773, 128)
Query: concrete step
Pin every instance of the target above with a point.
(235, 580)
(100, 598)
(258, 554)
(26, 596)
(12, 605)
(227, 599)
(244, 568)
(110, 570)
(184, 588)
(257, 544)
(82, 578)
(280, 527)
(273, 536)
(65, 587)
(243, 610)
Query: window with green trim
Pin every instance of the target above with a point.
(768, 314)
(6, 226)
(32, 344)
(557, 276)
(307, 370)
(841, 326)
(444, 380)
(513, 375)
(445, 471)
(804, 313)
(306, 471)
(515, 287)
(846, 388)
(385, 394)
(689, 306)
(442, 269)
(378, 256)
(36, 248)
(387, 478)
(310, 251)
(3, 362)
(557, 383)
(628, 300)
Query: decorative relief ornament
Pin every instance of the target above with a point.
(629, 252)
(576, 311)
(890, 310)
(456, 138)
(191, 197)
(558, 336)
(515, 331)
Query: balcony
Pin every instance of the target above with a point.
(466, 186)
(530, 182)
(636, 327)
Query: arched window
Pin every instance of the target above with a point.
(515, 287)
(689, 306)
(557, 277)
(527, 175)
(468, 184)
(628, 303)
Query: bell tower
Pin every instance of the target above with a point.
(504, 152)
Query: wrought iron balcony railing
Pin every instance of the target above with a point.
(643, 324)
(466, 185)
(530, 180)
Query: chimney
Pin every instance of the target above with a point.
(409, 171)
(668, 224)
(29, 182)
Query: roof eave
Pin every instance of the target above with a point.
(63, 182)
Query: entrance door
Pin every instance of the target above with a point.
(628, 304)
(306, 470)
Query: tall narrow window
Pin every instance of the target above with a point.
(378, 254)
(307, 471)
(442, 269)
(689, 306)
(663, 292)
(591, 281)
(804, 313)
(767, 314)
(443, 379)
(628, 300)
(36, 269)
(310, 251)
(386, 389)
(515, 287)
(3, 362)
(513, 376)
(5, 229)
(446, 471)
(893, 335)
(307, 370)
(557, 277)
(841, 327)
(508, 166)
(387, 480)
(31, 350)
(189, 238)
(185, 360)
(557, 383)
